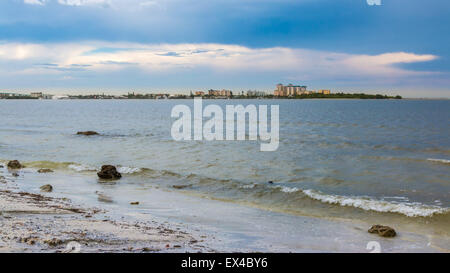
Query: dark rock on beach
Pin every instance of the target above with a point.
(45, 171)
(15, 164)
(134, 203)
(109, 172)
(46, 188)
(383, 231)
(180, 187)
(88, 133)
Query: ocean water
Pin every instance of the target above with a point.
(383, 160)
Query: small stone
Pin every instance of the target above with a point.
(383, 231)
(15, 174)
(45, 171)
(53, 242)
(46, 188)
(15, 164)
(134, 203)
(88, 133)
(180, 187)
(29, 240)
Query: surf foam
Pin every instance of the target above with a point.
(445, 161)
(408, 209)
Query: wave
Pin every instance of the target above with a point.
(288, 189)
(369, 204)
(78, 167)
(436, 160)
(248, 186)
(262, 191)
(444, 161)
(120, 169)
(128, 170)
(82, 168)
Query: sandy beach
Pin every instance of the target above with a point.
(51, 222)
(32, 222)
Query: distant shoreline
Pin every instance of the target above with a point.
(225, 98)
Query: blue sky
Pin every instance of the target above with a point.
(115, 46)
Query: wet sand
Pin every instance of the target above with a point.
(36, 223)
(169, 221)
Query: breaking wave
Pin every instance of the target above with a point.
(81, 168)
(129, 170)
(408, 209)
(444, 161)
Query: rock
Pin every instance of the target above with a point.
(45, 171)
(109, 172)
(15, 174)
(88, 133)
(15, 164)
(29, 240)
(134, 203)
(383, 231)
(180, 187)
(54, 242)
(46, 188)
(270, 182)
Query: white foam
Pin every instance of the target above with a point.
(445, 161)
(128, 170)
(249, 186)
(288, 189)
(81, 167)
(408, 209)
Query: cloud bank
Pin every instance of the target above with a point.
(28, 58)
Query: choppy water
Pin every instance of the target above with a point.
(346, 158)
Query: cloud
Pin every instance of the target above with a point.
(83, 2)
(35, 2)
(143, 3)
(109, 56)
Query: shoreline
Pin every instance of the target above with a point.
(33, 222)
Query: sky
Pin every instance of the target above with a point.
(174, 46)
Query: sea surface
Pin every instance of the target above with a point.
(373, 160)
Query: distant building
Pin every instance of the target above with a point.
(220, 93)
(199, 93)
(296, 90)
(255, 93)
(5, 95)
(36, 95)
(324, 91)
(47, 97)
(289, 90)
